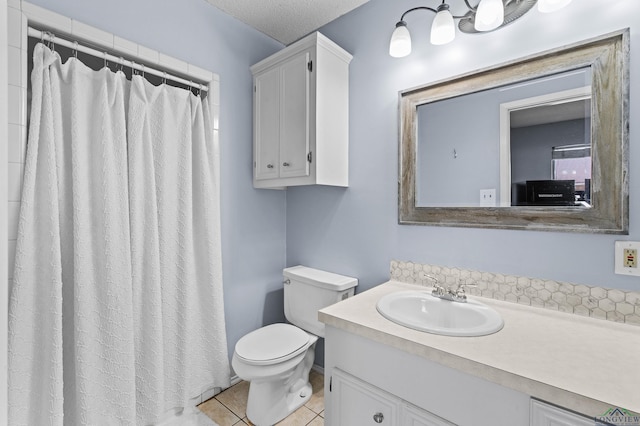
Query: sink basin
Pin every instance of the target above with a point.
(422, 311)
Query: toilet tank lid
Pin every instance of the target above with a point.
(320, 278)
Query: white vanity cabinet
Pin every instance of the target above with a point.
(301, 115)
(364, 378)
(543, 414)
(544, 368)
(356, 402)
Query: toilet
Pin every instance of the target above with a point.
(276, 359)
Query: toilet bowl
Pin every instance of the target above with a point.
(276, 359)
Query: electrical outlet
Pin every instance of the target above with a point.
(487, 197)
(630, 258)
(626, 257)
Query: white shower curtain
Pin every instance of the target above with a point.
(116, 311)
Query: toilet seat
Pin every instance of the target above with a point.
(272, 344)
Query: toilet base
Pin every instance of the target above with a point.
(272, 400)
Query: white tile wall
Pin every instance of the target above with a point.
(17, 146)
(12, 219)
(87, 32)
(14, 25)
(17, 93)
(15, 181)
(15, 103)
(11, 253)
(14, 72)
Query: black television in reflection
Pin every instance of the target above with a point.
(544, 193)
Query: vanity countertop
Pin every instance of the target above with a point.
(583, 364)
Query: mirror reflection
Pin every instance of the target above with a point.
(523, 144)
(550, 150)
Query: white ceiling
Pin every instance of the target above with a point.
(551, 113)
(286, 20)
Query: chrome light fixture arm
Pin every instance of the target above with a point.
(446, 6)
(443, 26)
(487, 15)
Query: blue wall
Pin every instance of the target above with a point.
(532, 147)
(253, 221)
(354, 231)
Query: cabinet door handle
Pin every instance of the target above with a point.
(285, 164)
(378, 417)
(269, 166)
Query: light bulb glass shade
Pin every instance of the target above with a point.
(490, 15)
(548, 6)
(400, 45)
(443, 29)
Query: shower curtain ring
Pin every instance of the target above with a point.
(75, 49)
(164, 77)
(121, 67)
(142, 66)
(134, 71)
(105, 59)
(199, 89)
(51, 45)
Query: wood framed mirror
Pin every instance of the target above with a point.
(458, 158)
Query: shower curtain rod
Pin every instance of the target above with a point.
(76, 46)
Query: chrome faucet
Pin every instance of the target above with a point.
(452, 294)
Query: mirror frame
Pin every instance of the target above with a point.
(608, 57)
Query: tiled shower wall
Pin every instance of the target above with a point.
(597, 302)
(17, 123)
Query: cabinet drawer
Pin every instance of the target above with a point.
(355, 402)
(414, 416)
(548, 415)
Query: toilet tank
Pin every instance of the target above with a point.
(307, 290)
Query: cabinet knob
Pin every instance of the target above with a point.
(285, 164)
(269, 166)
(378, 417)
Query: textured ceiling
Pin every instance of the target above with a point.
(286, 20)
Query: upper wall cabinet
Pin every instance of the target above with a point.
(301, 115)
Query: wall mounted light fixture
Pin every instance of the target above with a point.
(487, 15)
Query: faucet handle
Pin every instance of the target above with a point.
(459, 291)
(438, 290)
(461, 286)
(432, 278)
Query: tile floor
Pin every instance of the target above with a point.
(228, 408)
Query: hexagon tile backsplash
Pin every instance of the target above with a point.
(597, 302)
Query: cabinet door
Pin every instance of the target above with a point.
(414, 416)
(548, 415)
(294, 116)
(355, 402)
(266, 124)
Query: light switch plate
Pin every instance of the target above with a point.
(488, 197)
(626, 254)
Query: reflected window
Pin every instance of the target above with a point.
(573, 162)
